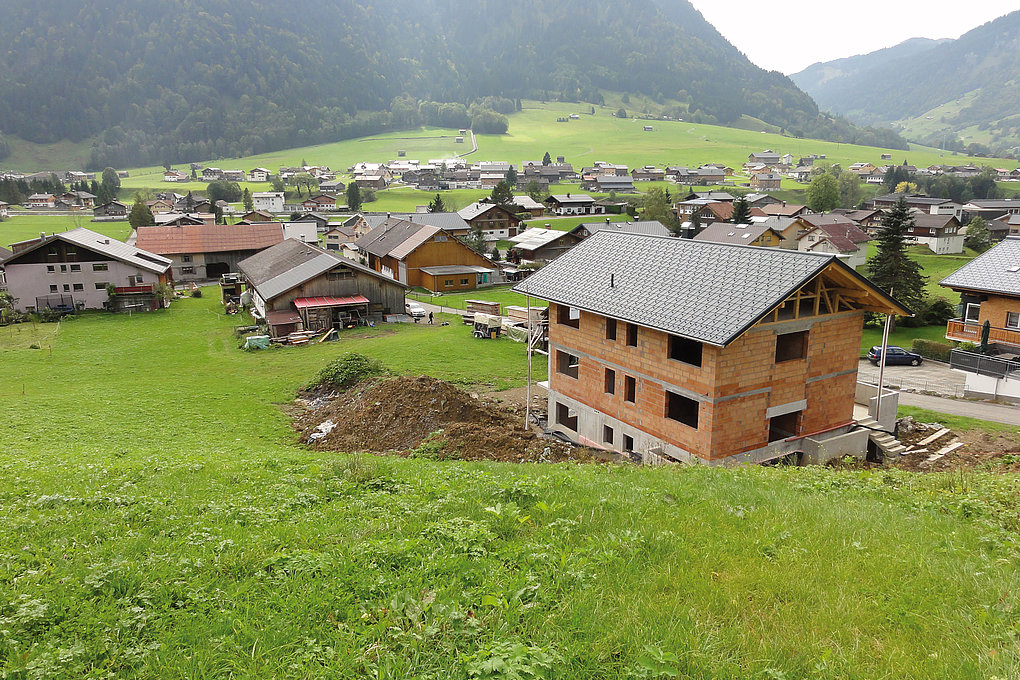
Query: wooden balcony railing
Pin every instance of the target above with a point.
(970, 331)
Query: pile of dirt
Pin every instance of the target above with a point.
(398, 414)
(998, 452)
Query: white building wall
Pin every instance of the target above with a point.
(943, 245)
(26, 282)
(272, 202)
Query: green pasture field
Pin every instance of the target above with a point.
(24, 227)
(501, 294)
(161, 520)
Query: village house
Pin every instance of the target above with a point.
(321, 221)
(298, 286)
(991, 208)
(989, 287)
(110, 212)
(181, 219)
(865, 219)
(423, 255)
(648, 173)
(862, 169)
(525, 203)
(77, 269)
(767, 157)
(211, 174)
(451, 223)
(268, 201)
(801, 173)
(41, 201)
(941, 233)
(784, 210)
(332, 186)
(234, 175)
(371, 181)
(175, 176)
(305, 232)
(160, 205)
(677, 350)
(4, 213)
(920, 202)
(319, 202)
(207, 251)
(342, 239)
(495, 222)
(740, 234)
(766, 181)
(255, 216)
(573, 204)
(834, 234)
(542, 245)
(605, 184)
(259, 175)
(1007, 225)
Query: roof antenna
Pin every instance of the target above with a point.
(612, 280)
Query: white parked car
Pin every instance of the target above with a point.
(414, 309)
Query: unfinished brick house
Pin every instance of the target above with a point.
(677, 350)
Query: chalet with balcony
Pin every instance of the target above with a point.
(573, 204)
(766, 181)
(941, 233)
(259, 175)
(424, 255)
(495, 222)
(110, 212)
(41, 201)
(77, 269)
(670, 349)
(989, 288)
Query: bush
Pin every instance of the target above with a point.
(196, 292)
(932, 349)
(347, 370)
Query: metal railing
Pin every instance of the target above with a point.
(982, 364)
(970, 331)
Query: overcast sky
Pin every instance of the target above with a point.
(790, 35)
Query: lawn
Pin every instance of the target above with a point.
(24, 227)
(501, 294)
(901, 336)
(934, 267)
(161, 520)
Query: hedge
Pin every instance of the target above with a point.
(932, 349)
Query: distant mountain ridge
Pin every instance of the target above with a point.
(193, 79)
(932, 90)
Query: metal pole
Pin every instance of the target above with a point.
(528, 340)
(881, 365)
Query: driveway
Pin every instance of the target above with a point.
(930, 376)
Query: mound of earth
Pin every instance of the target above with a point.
(399, 414)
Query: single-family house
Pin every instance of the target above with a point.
(941, 233)
(604, 184)
(573, 204)
(1007, 225)
(766, 181)
(332, 186)
(862, 169)
(4, 212)
(740, 234)
(211, 174)
(110, 212)
(423, 255)
(234, 175)
(920, 202)
(160, 205)
(255, 216)
(268, 201)
(371, 181)
(319, 202)
(451, 223)
(320, 220)
(299, 286)
(834, 234)
(525, 203)
(646, 227)
(77, 269)
(41, 201)
(542, 245)
(767, 157)
(495, 222)
(671, 349)
(259, 175)
(175, 176)
(208, 251)
(648, 173)
(989, 287)
(785, 210)
(342, 239)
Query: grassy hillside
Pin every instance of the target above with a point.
(161, 521)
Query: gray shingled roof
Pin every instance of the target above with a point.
(737, 234)
(86, 238)
(448, 221)
(647, 227)
(996, 271)
(396, 237)
(710, 292)
(290, 263)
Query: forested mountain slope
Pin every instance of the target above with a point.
(190, 79)
(970, 85)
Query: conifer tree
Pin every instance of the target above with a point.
(891, 268)
(741, 211)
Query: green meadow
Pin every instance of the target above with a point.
(161, 519)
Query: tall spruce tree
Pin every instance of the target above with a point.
(502, 194)
(891, 268)
(741, 211)
(353, 197)
(437, 205)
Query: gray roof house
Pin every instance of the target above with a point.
(666, 349)
(448, 221)
(299, 286)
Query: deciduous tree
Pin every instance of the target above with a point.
(978, 238)
(823, 193)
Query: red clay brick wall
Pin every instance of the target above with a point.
(748, 364)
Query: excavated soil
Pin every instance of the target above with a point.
(398, 414)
